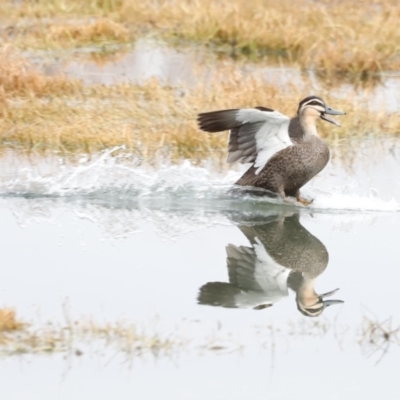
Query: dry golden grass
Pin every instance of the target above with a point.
(8, 321)
(336, 37)
(154, 121)
(19, 78)
(71, 34)
(97, 31)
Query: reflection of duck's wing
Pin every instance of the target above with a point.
(220, 294)
(255, 280)
(241, 261)
(270, 275)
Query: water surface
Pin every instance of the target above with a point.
(171, 250)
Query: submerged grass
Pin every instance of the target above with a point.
(40, 112)
(335, 37)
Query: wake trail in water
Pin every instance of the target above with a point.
(115, 181)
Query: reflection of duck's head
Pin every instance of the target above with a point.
(309, 303)
(314, 306)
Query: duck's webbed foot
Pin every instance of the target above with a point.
(302, 200)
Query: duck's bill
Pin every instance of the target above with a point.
(331, 111)
(328, 303)
(331, 293)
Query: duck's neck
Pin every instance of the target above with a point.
(306, 293)
(302, 129)
(309, 126)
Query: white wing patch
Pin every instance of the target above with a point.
(250, 115)
(270, 139)
(271, 136)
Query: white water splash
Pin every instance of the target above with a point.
(121, 197)
(118, 182)
(338, 200)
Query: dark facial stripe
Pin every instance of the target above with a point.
(309, 99)
(313, 310)
(314, 103)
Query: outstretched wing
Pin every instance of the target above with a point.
(256, 134)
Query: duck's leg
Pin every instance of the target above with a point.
(302, 200)
(286, 199)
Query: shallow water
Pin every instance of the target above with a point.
(111, 240)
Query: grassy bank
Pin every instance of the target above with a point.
(40, 112)
(335, 37)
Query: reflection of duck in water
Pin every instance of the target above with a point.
(283, 254)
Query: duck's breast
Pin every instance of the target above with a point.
(301, 163)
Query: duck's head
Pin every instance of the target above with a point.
(314, 306)
(313, 107)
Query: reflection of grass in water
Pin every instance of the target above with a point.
(18, 337)
(354, 37)
(376, 337)
(106, 55)
(154, 121)
(8, 321)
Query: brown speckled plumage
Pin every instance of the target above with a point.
(290, 244)
(290, 169)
